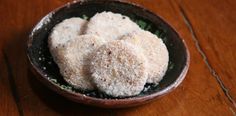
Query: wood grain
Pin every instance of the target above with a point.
(215, 33)
(199, 94)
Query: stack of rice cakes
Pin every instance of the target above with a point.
(109, 53)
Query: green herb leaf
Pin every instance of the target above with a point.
(141, 24)
(148, 27)
(157, 32)
(84, 17)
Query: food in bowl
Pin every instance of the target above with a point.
(121, 56)
(119, 69)
(66, 30)
(73, 59)
(155, 51)
(110, 26)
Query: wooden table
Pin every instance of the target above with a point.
(207, 26)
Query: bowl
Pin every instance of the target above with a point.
(48, 72)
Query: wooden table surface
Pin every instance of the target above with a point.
(209, 89)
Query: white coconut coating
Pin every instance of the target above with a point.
(67, 30)
(73, 60)
(110, 26)
(154, 49)
(118, 69)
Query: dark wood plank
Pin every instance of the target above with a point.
(8, 105)
(214, 23)
(197, 95)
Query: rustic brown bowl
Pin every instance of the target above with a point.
(43, 64)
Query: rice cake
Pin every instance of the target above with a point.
(155, 51)
(118, 69)
(66, 30)
(73, 60)
(110, 26)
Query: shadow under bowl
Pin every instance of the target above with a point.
(43, 64)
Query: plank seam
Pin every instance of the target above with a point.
(13, 84)
(205, 59)
(234, 113)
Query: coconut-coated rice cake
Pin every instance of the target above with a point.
(110, 26)
(67, 30)
(155, 51)
(73, 60)
(118, 69)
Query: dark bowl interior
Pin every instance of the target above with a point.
(44, 65)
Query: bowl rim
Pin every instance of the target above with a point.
(79, 97)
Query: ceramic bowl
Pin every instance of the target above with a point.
(48, 72)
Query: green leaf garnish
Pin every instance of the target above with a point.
(148, 27)
(84, 17)
(158, 33)
(141, 24)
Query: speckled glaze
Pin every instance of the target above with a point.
(48, 73)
